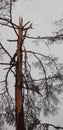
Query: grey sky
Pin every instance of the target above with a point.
(42, 14)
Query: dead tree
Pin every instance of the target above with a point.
(21, 33)
(47, 87)
(19, 83)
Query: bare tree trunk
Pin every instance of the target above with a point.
(18, 91)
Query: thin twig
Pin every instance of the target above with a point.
(5, 50)
(51, 38)
(4, 64)
(10, 10)
(47, 124)
(26, 24)
(47, 57)
(12, 40)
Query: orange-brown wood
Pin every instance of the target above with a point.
(19, 66)
(19, 100)
(18, 91)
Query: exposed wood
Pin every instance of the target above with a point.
(18, 91)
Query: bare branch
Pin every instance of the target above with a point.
(4, 64)
(47, 57)
(8, 21)
(43, 79)
(2, 81)
(50, 38)
(10, 10)
(5, 50)
(12, 40)
(48, 124)
(6, 82)
(33, 88)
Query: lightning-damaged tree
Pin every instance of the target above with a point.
(33, 95)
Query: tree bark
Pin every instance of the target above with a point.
(18, 90)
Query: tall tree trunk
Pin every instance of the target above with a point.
(18, 90)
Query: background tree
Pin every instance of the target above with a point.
(46, 88)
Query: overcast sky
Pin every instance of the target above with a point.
(42, 13)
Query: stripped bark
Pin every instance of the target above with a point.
(18, 90)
